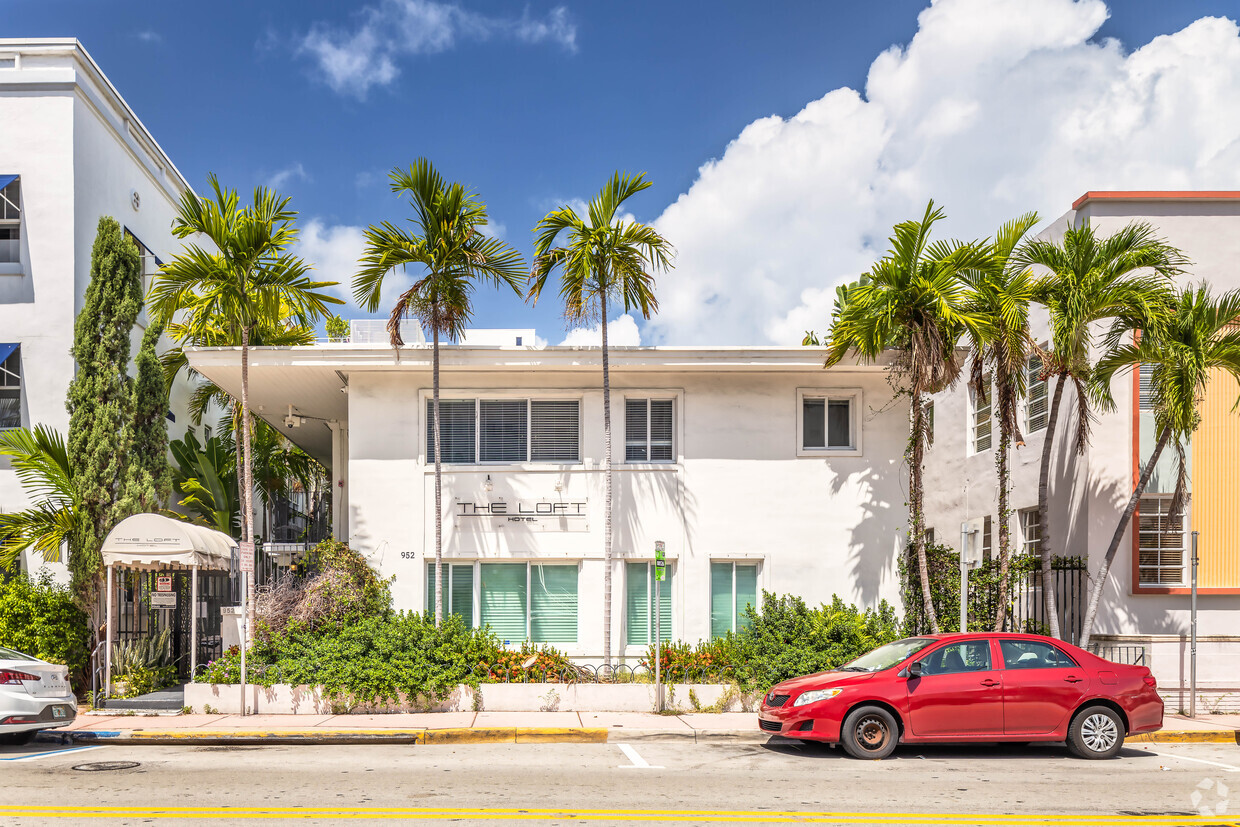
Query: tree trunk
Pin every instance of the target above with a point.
(438, 476)
(607, 494)
(247, 507)
(1095, 592)
(918, 518)
(1044, 475)
(239, 471)
(1005, 552)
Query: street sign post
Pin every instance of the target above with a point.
(660, 565)
(246, 564)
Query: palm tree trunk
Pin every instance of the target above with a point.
(438, 478)
(239, 470)
(247, 485)
(1044, 475)
(1100, 581)
(607, 489)
(917, 450)
(1005, 552)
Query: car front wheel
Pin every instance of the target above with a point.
(870, 732)
(1096, 732)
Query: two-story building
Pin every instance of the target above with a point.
(758, 470)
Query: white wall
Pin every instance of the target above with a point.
(819, 526)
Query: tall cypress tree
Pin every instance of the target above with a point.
(100, 399)
(148, 476)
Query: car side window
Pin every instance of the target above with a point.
(1033, 654)
(966, 656)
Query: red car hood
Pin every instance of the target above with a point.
(820, 681)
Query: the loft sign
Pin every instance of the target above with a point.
(530, 515)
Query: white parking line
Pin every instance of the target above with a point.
(639, 763)
(35, 755)
(1227, 767)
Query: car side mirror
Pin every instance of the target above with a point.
(914, 669)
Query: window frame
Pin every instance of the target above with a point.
(759, 566)
(649, 397)
(651, 585)
(14, 267)
(1184, 549)
(478, 397)
(974, 410)
(17, 388)
(529, 594)
(1031, 381)
(1022, 521)
(855, 397)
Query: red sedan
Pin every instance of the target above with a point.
(968, 687)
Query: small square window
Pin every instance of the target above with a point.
(828, 422)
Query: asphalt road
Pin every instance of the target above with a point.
(607, 784)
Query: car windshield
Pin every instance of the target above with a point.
(885, 657)
(12, 654)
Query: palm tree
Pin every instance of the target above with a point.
(1197, 341)
(448, 244)
(1124, 277)
(605, 259)
(41, 462)
(913, 301)
(248, 279)
(1002, 293)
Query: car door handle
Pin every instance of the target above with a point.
(990, 682)
(1072, 679)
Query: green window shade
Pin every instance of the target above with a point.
(553, 604)
(721, 611)
(637, 605)
(504, 599)
(746, 592)
(665, 607)
(430, 588)
(462, 593)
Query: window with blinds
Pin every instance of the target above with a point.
(733, 586)
(1146, 380)
(497, 431)
(458, 593)
(980, 422)
(553, 603)
(503, 600)
(648, 427)
(639, 605)
(1036, 402)
(1160, 543)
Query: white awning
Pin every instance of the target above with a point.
(153, 541)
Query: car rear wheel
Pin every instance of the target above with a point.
(1096, 732)
(17, 739)
(870, 732)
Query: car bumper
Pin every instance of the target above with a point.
(804, 722)
(22, 713)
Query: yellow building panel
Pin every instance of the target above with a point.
(1215, 509)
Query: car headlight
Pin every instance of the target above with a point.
(815, 695)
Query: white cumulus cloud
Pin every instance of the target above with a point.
(278, 179)
(351, 61)
(621, 332)
(994, 107)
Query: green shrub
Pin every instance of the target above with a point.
(143, 679)
(41, 619)
(344, 590)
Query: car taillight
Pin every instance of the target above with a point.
(11, 676)
(19, 719)
(1149, 681)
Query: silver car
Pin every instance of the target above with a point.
(34, 695)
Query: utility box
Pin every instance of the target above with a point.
(230, 627)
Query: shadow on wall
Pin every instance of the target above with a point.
(874, 542)
(651, 487)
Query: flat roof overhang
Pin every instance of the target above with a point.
(312, 378)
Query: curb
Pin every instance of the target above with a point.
(499, 735)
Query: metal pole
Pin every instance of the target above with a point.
(964, 577)
(107, 640)
(193, 622)
(1192, 646)
(658, 657)
(245, 611)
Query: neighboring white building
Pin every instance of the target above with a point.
(1146, 600)
(71, 151)
(722, 453)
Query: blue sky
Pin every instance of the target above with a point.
(534, 104)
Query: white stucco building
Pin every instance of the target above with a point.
(1145, 602)
(71, 151)
(758, 469)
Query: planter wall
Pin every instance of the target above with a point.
(283, 699)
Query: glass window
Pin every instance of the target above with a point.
(979, 423)
(1036, 409)
(456, 430)
(532, 601)
(885, 657)
(965, 656)
(502, 430)
(553, 603)
(733, 586)
(1031, 531)
(1160, 543)
(10, 388)
(639, 604)
(1033, 654)
(826, 423)
(503, 600)
(11, 222)
(929, 423)
(648, 428)
(458, 596)
(987, 540)
(555, 433)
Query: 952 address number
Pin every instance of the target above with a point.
(408, 555)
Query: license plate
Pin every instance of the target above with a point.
(60, 712)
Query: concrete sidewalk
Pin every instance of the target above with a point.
(497, 727)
